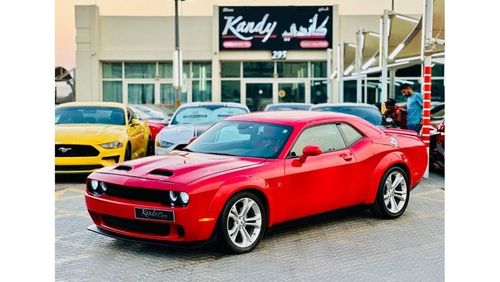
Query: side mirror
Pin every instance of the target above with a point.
(309, 151)
(135, 122)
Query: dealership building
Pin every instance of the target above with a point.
(252, 55)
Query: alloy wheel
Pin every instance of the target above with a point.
(395, 192)
(244, 222)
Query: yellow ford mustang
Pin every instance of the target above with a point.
(92, 135)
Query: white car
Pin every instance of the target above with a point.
(192, 119)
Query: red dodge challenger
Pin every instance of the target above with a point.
(250, 172)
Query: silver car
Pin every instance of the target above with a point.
(192, 119)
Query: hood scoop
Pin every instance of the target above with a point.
(123, 167)
(162, 172)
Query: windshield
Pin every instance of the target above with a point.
(243, 138)
(205, 114)
(289, 107)
(90, 115)
(148, 112)
(370, 114)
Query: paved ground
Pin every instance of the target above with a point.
(343, 246)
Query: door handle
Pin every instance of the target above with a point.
(346, 157)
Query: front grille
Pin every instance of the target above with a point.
(75, 151)
(136, 225)
(77, 167)
(138, 194)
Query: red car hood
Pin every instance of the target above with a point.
(180, 167)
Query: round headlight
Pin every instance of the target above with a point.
(184, 197)
(94, 184)
(173, 196)
(104, 187)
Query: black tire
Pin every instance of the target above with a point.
(227, 222)
(128, 153)
(393, 208)
(151, 147)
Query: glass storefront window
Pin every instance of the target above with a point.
(186, 69)
(112, 91)
(202, 70)
(437, 90)
(258, 69)
(438, 70)
(230, 69)
(258, 95)
(319, 91)
(415, 71)
(202, 90)
(111, 70)
(167, 94)
(166, 70)
(291, 92)
(296, 69)
(141, 93)
(318, 69)
(350, 91)
(140, 70)
(230, 91)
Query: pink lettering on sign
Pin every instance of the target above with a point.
(314, 44)
(236, 44)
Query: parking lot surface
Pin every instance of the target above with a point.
(349, 245)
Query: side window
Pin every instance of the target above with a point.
(327, 137)
(351, 134)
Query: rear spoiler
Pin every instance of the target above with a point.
(399, 131)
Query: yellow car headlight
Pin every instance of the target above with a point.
(112, 145)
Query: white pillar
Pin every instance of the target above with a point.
(340, 71)
(357, 65)
(329, 75)
(384, 42)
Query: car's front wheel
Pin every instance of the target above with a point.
(393, 194)
(242, 223)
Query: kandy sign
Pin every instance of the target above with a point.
(275, 28)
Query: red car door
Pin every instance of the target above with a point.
(322, 182)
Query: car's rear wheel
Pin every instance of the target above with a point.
(393, 194)
(242, 223)
(128, 152)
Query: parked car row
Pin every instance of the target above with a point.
(93, 135)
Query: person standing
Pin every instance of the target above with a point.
(414, 106)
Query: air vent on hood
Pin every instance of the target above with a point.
(162, 172)
(123, 167)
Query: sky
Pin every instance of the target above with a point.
(65, 14)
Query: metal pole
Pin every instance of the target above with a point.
(340, 70)
(384, 43)
(329, 71)
(177, 60)
(426, 113)
(357, 65)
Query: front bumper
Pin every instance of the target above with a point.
(106, 157)
(117, 216)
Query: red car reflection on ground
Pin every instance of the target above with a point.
(252, 171)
